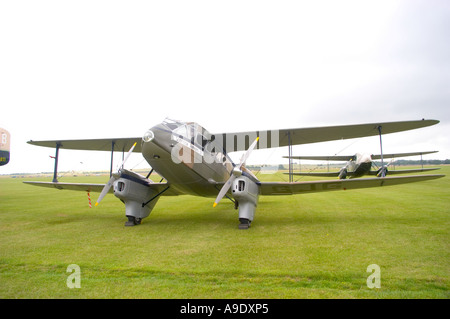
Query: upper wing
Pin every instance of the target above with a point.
(284, 188)
(242, 140)
(119, 144)
(158, 187)
(277, 138)
(378, 156)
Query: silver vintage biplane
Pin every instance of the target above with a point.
(193, 161)
(361, 164)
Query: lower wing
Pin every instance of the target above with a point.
(271, 188)
(406, 171)
(319, 174)
(158, 187)
(285, 188)
(349, 174)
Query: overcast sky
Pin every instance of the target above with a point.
(105, 69)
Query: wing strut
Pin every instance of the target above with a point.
(112, 158)
(383, 170)
(55, 171)
(291, 177)
(56, 157)
(159, 194)
(148, 175)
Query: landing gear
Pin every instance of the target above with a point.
(244, 223)
(133, 221)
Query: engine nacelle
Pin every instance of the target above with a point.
(343, 173)
(134, 191)
(245, 192)
(382, 170)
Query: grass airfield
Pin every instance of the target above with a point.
(303, 246)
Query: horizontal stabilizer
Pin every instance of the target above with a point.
(285, 188)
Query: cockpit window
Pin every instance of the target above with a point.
(172, 124)
(193, 133)
(184, 132)
(195, 137)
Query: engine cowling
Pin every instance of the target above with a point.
(246, 193)
(380, 171)
(134, 191)
(343, 173)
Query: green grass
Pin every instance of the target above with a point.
(304, 246)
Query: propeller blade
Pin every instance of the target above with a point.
(113, 178)
(247, 153)
(128, 154)
(382, 172)
(224, 189)
(391, 162)
(105, 189)
(249, 172)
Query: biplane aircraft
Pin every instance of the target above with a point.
(361, 164)
(193, 161)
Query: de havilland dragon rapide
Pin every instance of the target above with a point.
(193, 161)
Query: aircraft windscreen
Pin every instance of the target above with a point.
(172, 124)
(195, 137)
(188, 131)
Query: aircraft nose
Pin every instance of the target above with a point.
(148, 136)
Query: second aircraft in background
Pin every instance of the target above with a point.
(360, 164)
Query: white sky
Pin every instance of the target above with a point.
(106, 69)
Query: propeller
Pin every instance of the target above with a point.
(382, 171)
(114, 177)
(343, 171)
(236, 172)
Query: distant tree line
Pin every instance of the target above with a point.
(419, 162)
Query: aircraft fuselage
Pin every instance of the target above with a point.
(360, 166)
(187, 156)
